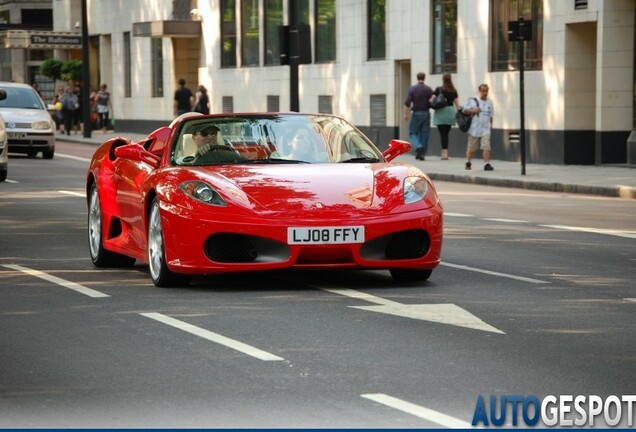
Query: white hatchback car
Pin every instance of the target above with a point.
(4, 145)
(29, 126)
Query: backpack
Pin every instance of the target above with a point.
(440, 100)
(464, 120)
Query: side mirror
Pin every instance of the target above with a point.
(137, 153)
(396, 148)
(3, 94)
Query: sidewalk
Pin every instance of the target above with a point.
(606, 180)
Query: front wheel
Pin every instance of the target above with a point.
(403, 275)
(100, 256)
(159, 271)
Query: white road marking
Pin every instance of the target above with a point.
(443, 313)
(459, 215)
(418, 411)
(11, 181)
(493, 273)
(630, 299)
(213, 337)
(67, 156)
(79, 194)
(626, 234)
(514, 221)
(56, 280)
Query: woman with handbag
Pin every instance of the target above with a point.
(445, 103)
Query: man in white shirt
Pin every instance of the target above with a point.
(481, 108)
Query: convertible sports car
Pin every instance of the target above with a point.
(222, 193)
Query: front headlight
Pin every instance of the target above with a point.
(202, 192)
(41, 125)
(415, 189)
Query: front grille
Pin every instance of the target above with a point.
(243, 248)
(410, 244)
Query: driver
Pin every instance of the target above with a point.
(204, 138)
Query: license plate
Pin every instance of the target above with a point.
(325, 235)
(16, 135)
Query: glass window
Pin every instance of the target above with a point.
(273, 20)
(325, 30)
(228, 33)
(444, 36)
(279, 138)
(249, 33)
(376, 29)
(504, 54)
(157, 67)
(127, 66)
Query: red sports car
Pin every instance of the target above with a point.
(247, 192)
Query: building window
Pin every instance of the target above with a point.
(325, 104)
(325, 30)
(227, 103)
(376, 36)
(505, 55)
(273, 103)
(378, 110)
(444, 36)
(127, 66)
(250, 30)
(157, 66)
(228, 33)
(273, 20)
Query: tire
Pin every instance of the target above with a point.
(48, 153)
(3, 175)
(101, 257)
(159, 271)
(402, 275)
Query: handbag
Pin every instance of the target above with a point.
(464, 120)
(439, 101)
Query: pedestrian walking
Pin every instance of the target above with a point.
(202, 101)
(183, 99)
(104, 107)
(70, 106)
(59, 112)
(418, 101)
(444, 116)
(482, 110)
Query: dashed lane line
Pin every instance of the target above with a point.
(72, 193)
(56, 280)
(626, 234)
(418, 411)
(494, 273)
(213, 337)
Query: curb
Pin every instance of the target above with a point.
(626, 192)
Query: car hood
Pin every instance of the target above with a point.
(316, 188)
(21, 115)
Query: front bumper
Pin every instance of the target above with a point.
(196, 245)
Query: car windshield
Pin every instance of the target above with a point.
(271, 138)
(21, 97)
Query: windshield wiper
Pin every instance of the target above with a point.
(361, 159)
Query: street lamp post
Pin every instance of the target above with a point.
(86, 85)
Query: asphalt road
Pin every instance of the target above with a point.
(535, 296)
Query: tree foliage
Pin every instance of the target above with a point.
(72, 70)
(52, 68)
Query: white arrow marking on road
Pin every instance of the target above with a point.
(440, 313)
(418, 411)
